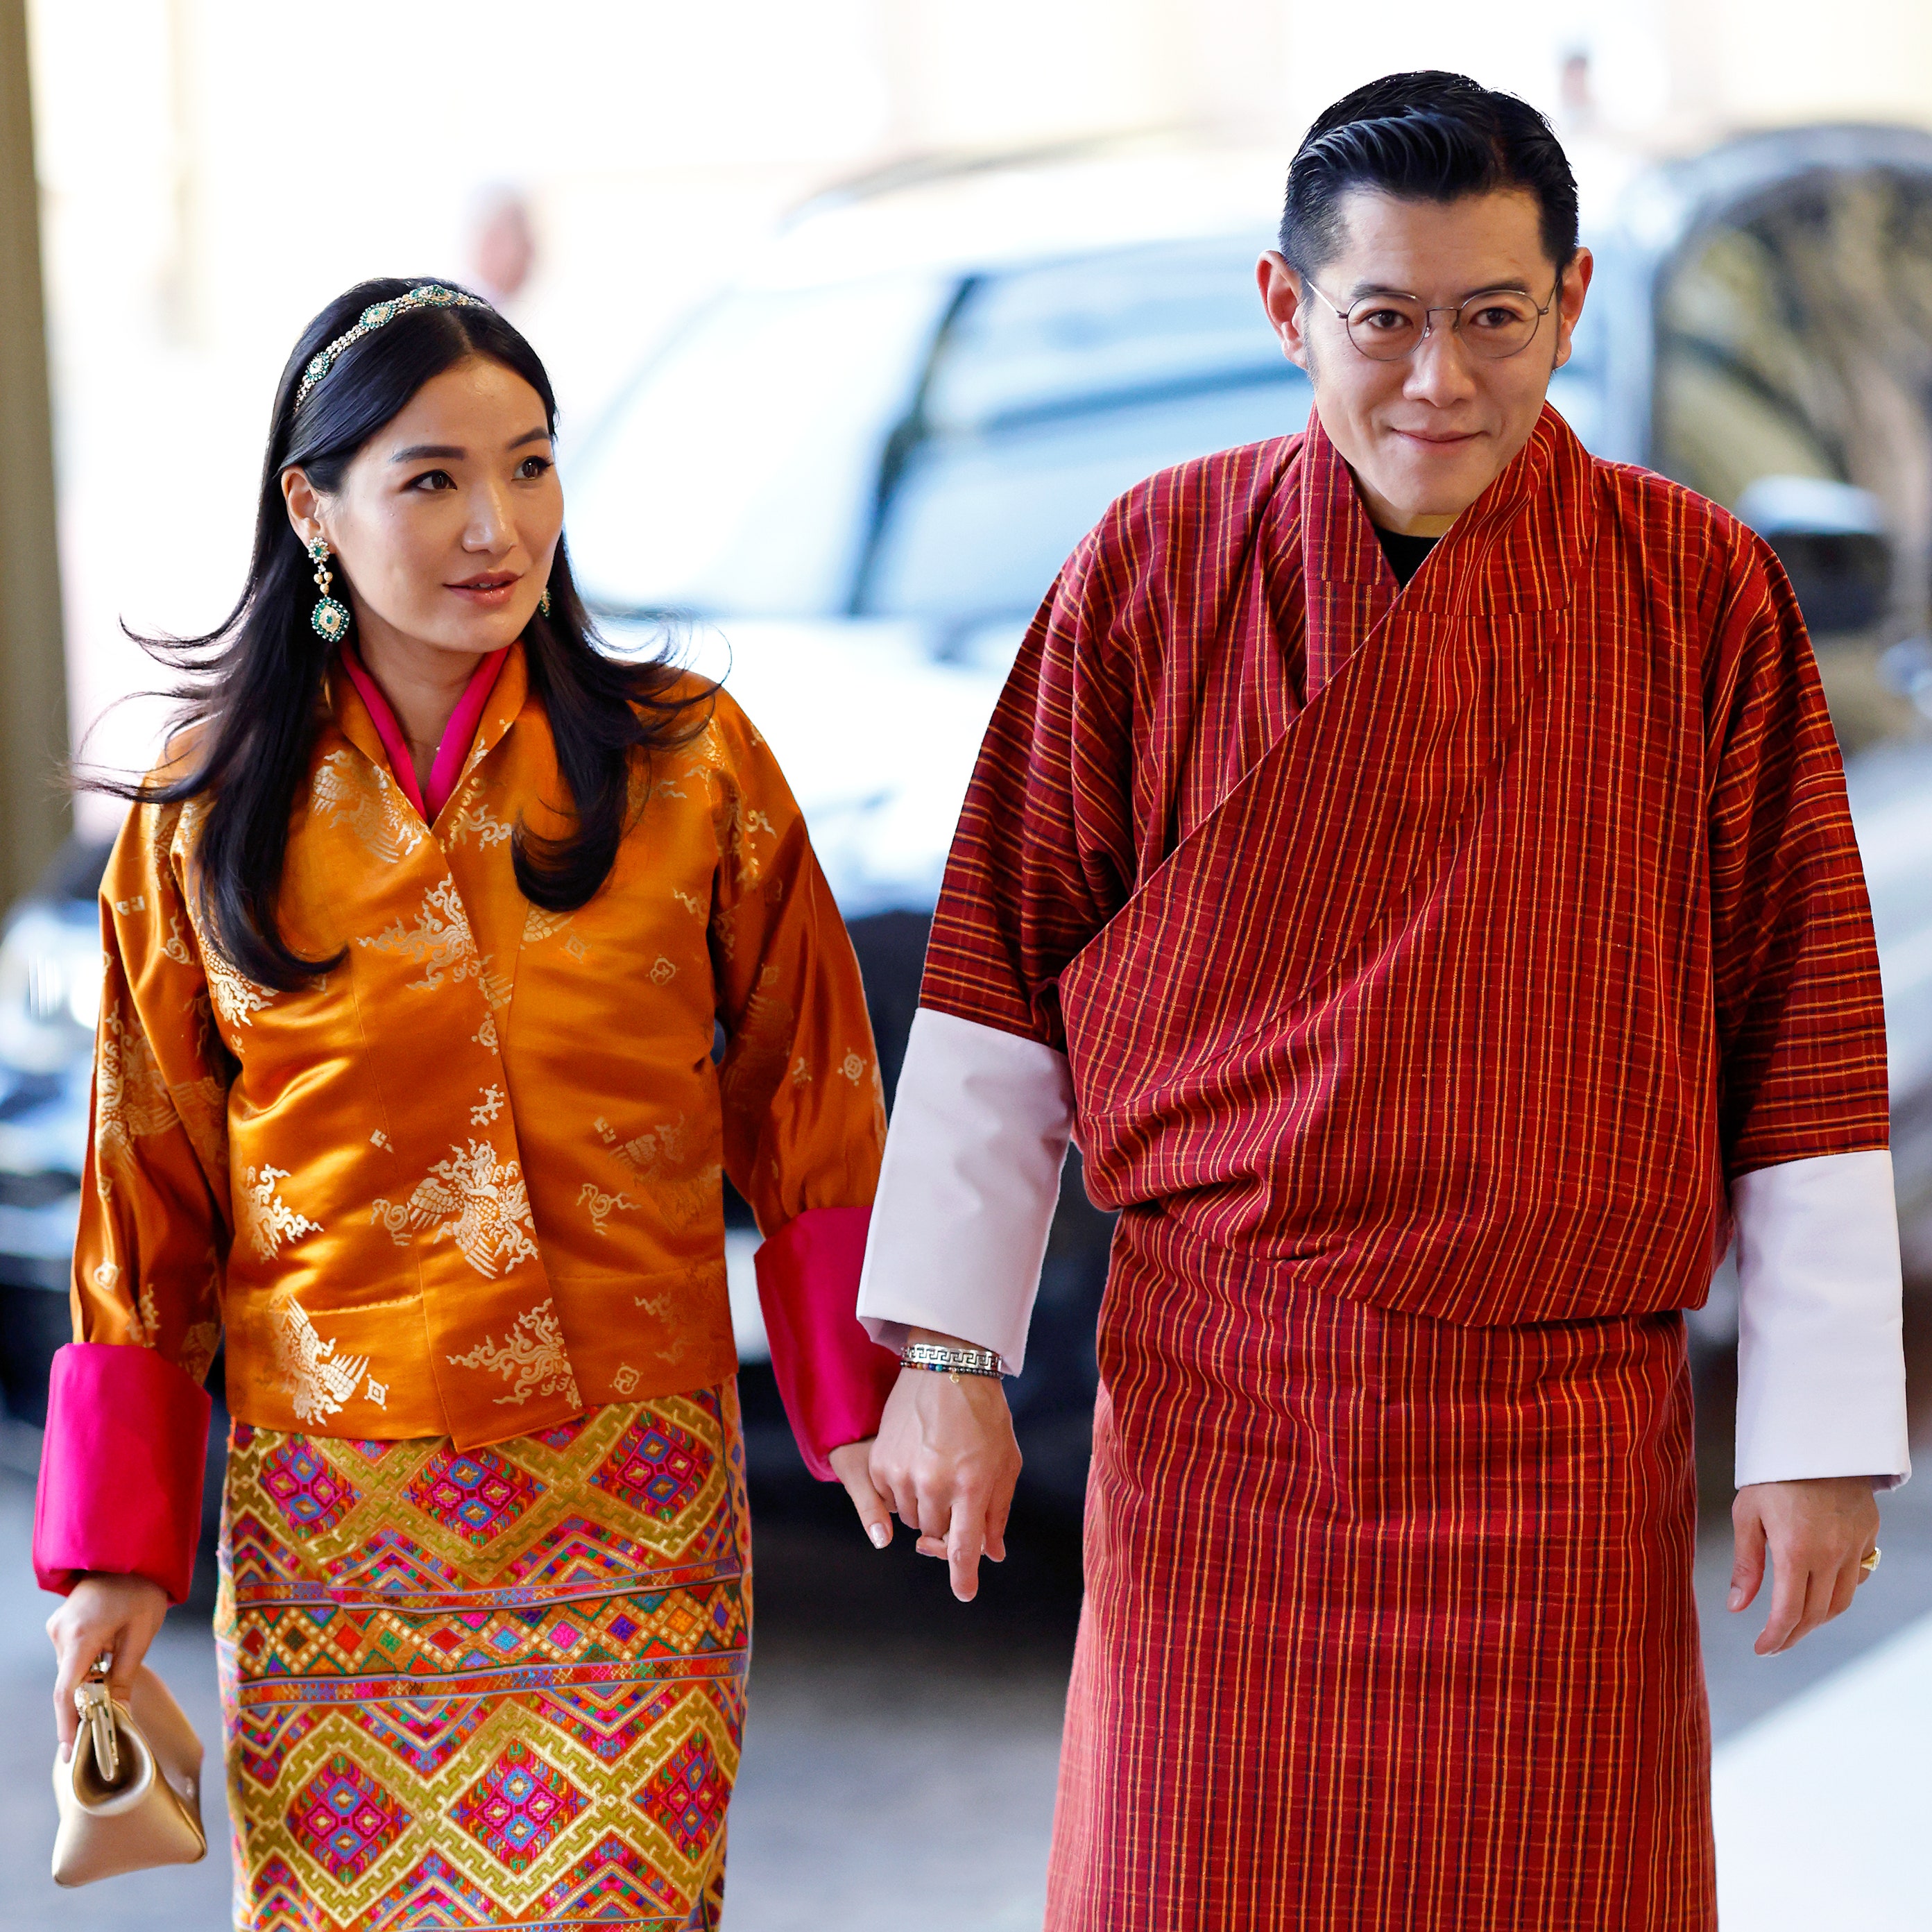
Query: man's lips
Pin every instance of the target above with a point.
(1436, 438)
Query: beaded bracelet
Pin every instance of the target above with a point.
(954, 1362)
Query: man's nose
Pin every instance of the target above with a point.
(1439, 370)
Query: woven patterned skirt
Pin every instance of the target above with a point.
(499, 1687)
(1388, 1623)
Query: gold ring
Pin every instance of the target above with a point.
(1868, 1562)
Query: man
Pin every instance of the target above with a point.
(1414, 857)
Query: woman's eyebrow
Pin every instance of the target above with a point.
(451, 452)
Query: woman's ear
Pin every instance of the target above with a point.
(304, 503)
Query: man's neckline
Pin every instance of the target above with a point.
(1406, 554)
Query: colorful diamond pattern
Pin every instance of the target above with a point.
(517, 1807)
(312, 1497)
(345, 1820)
(657, 1467)
(686, 1798)
(474, 1492)
(513, 1742)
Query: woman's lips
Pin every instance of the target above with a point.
(488, 591)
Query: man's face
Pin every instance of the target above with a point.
(1426, 435)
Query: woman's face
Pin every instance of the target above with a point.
(447, 518)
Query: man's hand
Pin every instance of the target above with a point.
(119, 1614)
(1817, 1533)
(945, 1458)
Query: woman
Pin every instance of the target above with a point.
(417, 947)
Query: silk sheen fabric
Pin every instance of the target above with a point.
(469, 1180)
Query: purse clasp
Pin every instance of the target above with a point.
(95, 1704)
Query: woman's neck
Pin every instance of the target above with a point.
(423, 685)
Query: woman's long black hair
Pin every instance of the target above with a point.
(252, 693)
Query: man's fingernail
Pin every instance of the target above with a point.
(879, 1534)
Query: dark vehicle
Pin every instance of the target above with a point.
(855, 474)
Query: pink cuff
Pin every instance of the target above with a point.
(121, 1469)
(833, 1377)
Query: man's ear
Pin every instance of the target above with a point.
(1569, 300)
(1283, 296)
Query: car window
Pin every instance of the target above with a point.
(1053, 389)
(1795, 340)
(979, 524)
(738, 476)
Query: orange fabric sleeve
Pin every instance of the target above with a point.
(153, 1226)
(804, 1113)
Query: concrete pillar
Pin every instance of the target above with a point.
(34, 816)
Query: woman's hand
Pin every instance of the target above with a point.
(119, 1614)
(1817, 1532)
(850, 1463)
(945, 1458)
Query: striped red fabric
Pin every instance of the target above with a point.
(1458, 946)
(1389, 1620)
(1426, 965)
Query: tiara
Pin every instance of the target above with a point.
(430, 294)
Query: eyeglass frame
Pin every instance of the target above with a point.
(1428, 313)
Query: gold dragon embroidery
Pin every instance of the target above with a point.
(440, 941)
(236, 999)
(531, 1358)
(131, 1099)
(476, 1199)
(316, 1379)
(474, 820)
(660, 1161)
(346, 792)
(602, 1206)
(539, 924)
(266, 1218)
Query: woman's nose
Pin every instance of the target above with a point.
(489, 527)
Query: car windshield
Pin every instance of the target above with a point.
(1051, 390)
(921, 448)
(737, 476)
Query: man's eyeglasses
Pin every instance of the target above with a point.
(1495, 323)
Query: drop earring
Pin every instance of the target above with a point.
(330, 617)
(543, 601)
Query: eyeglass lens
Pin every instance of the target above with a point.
(1494, 324)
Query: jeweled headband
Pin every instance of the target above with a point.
(431, 294)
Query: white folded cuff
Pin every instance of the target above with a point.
(1821, 1361)
(971, 1177)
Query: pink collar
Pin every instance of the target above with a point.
(457, 734)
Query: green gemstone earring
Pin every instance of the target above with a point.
(330, 617)
(543, 602)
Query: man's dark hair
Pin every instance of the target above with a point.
(1429, 136)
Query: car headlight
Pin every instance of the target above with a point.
(50, 974)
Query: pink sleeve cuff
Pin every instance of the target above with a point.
(833, 1377)
(121, 1469)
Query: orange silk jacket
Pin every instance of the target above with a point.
(468, 1182)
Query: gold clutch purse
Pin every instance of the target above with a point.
(130, 1797)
